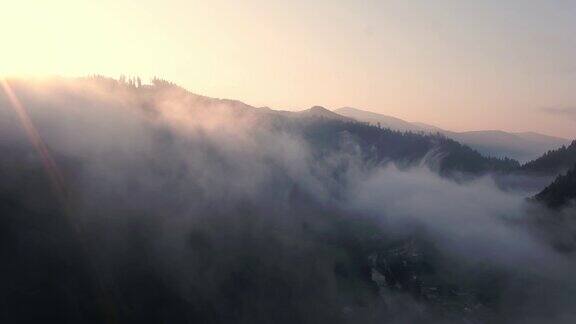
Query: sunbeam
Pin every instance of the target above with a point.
(50, 165)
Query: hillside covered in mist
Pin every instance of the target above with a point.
(145, 203)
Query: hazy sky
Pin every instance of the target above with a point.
(458, 64)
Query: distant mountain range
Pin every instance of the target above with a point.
(524, 146)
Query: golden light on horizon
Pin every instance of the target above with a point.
(478, 68)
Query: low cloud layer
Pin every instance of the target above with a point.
(192, 209)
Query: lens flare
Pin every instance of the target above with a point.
(107, 307)
(47, 160)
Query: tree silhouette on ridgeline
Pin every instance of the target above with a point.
(561, 192)
(553, 162)
(325, 134)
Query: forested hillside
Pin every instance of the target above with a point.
(553, 162)
(561, 192)
(122, 202)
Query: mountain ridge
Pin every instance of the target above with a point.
(522, 146)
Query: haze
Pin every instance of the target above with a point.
(460, 65)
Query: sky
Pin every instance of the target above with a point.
(456, 64)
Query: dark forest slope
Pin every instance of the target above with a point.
(553, 162)
(560, 192)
